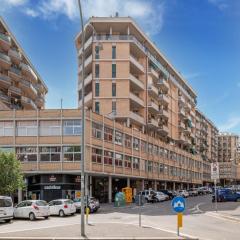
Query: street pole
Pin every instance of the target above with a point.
(215, 188)
(83, 128)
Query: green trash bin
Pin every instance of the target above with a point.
(119, 199)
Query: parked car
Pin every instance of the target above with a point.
(226, 195)
(161, 197)
(62, 207)
(170, 194)
(31, 209)
(183, 193)
(93, 204)
(6, 208)
(192, 192)
(149, 195)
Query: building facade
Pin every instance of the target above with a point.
(21, 87)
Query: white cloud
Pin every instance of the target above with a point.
(220, 4)
(31, 12)
(231, 123)
(8, 4)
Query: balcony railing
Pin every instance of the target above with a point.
(87, 80)
(164, 98)
(153, 89)
(14, 53)
(136, 63)
(153, 122)
(5, 79)
(136, 99)
(5, 38)
(136, 81)
(163, 129)
(87, 61)
(153, 105)
(153, 72)
(136, 117)
(15, 71)
(29, 86)
(5, 57)
(27, 68)
(4, 97)
(28, 101)
(163, 84)
(163, 113)
(15, 90)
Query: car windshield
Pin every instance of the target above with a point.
(41, 203)
(5, 203)
(68, 202)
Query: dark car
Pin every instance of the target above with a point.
(169, 193)
(224, 195)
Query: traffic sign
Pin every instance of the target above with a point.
(215, 171)
(178, 204)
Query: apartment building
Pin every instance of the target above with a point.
(228, 157)
(47, 142)
(21, 87)
(128, 77)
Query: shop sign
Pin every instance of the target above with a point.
(52, 187)
(52, 178)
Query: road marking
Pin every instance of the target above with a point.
(223, 217)
(196, 208)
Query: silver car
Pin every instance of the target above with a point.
(31, 209)
(62, 207)
(6, 208)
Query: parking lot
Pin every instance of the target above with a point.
(200, 221)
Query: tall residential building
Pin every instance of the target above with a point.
(227, 156)
(127, 77)
(21, 87)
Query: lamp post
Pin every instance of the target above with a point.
(83, 128)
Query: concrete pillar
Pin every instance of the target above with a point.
(143, 185)
(188, 186)
(165, 185)
(155, 185)
(174, 187)
(19, 195)
(110, 189)
(86, 185)
(90, 186)
(128, 182)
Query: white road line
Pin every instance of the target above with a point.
(221, 217)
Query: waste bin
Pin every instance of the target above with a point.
(119, 199)
(128, 194)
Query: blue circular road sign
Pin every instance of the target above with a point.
(178, 204)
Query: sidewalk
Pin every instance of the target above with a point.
(93, 231)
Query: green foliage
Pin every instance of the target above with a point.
(11, 177)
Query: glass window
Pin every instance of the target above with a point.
(128, 141)
(135, 163)
(150, 148)
(96, 155)
(161, 168)
(114, 106)
(50, 154)
(128, 161)
(27, 128)
(136, 143)
(113, 52)
(118, 160)
(72, 127)
(6, 129)
(97, 89)
(118, 138)
(26, 154)
(143, 146)
(96, 70)
(150, 166)
(108, 134)
(50, 128)
(114, 70)
(97, 107)
(71, 153)
(114, 90)
(97, 130)
(108, 157)
(96, 52)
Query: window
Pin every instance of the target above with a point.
(97, 107)
(71, 153)
(135, 163)
(97, 89)
(27, 128)
(50, 154)
(108, 134)
(113, 52)
(50, 128)
(161, 168)
(118, 160)
(118, 138)
(136, 144)
(108, 157)
(26, 154)
(128, 141)
(143, 146)
(114, 89)
(96, 52)
(150, 148)
(97, 130)
(72, 127)
(6, 129)
(114, 70)
(96, 155)
(114, 107)
(128, 161)
(97, 70)
(150, 166)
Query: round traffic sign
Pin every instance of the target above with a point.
(178, 204)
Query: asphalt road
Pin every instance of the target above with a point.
(199, 221)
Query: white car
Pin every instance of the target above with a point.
(161, 196)
(149, 195)
(31, 209)
(62, 207)
(6, 208)
(183, 193)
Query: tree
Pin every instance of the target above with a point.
(11, 177)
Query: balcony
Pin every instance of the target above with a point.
(187, 130)
(137, 100)
(152, 89)
(182, 113)
(40, 87)
(164, 99)
(136, 117)
(86, 63)
(181, 125)
(86, 45)
(181, 100)
(28, 71)
(163, 84)
(28, 103)
(5, 80)
(15, 73)
(15, 90)
(40, 101)
(152, 106)
(28, 88)
(182, 138)
(4, 97)
(163, 129)
(87, 100)
(5, 41)
(5, 60)
(188, 106)
(15, 55)
(136, 82)
(87, 80)
(153, 73)
(153, 123)
(163, 113)
(135, 62)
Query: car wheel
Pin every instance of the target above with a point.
(32, 216)
(8, 220)
(61, 213)
(46, 217)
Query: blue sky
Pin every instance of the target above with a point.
(200, 37)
